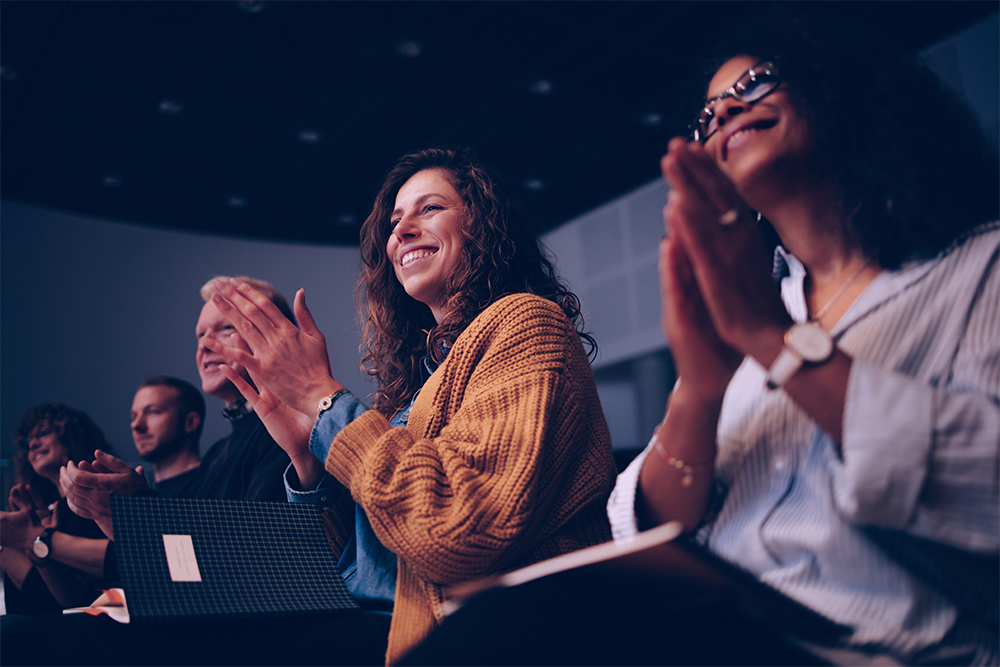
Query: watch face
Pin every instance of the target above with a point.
(811, 342)
(40, 549)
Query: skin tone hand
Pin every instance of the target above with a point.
(18, 530)
(88, 486)
(289, 428)
(293, 364)
(729, 262)
(719, 302)
(734, 277)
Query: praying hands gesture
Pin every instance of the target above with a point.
(289, 367)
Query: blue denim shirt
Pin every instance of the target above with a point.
(368, 567)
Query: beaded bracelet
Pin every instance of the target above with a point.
(687, 469)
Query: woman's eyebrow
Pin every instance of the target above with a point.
(420, 200)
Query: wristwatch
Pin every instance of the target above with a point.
(42, 547)
(804, 343)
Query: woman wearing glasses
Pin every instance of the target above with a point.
(835, 433)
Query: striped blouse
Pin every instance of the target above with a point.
(897, 537)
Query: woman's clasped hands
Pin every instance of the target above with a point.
(719, 300)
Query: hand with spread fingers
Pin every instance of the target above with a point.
(292, 364)
(723, 248)
(289, 427)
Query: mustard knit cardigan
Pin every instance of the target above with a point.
(506, 461)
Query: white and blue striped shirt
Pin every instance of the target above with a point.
(897, 537)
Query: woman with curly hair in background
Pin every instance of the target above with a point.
(48, 437)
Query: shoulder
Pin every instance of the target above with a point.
(520, 309)
(982, 241)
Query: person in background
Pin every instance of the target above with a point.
(167, 419)
(48, 437)
(245, 465)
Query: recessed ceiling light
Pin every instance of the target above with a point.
(251, 6)
(171, 107)
(310, 137)
(347, 219)
(8, 73)
(652, 119)
(112, 181)
(236, 202)
(409, 48)
(541, 87)
(534, 185)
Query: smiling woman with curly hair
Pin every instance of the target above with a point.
(487, 449)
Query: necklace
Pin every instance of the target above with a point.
(843, 288)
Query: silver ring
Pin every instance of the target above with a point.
(729, 217)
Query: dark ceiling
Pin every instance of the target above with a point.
(279, 119)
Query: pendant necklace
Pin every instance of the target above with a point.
(843, 288)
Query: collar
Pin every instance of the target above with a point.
(240, 408)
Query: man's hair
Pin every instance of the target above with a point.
(267, 289)
(76, 431)
(912, 163)
(500, 255)
(189, 399)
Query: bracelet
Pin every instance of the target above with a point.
(687, 469)
(326, 402)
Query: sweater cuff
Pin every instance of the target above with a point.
(345, 459)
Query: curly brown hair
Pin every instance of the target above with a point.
(501, 255)
(76, 432)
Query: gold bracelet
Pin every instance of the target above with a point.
(686, 469)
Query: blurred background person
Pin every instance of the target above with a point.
(48, 437)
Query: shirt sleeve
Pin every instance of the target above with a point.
(345, 408)
(621, 504)
(922, 454)
(920, 459)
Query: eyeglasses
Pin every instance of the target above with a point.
(756, 83)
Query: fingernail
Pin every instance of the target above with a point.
(237, 283)
(219, 285)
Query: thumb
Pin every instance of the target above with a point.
(303, 315)
(112, 463)
(138, 469)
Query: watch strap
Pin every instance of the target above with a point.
(786, 365)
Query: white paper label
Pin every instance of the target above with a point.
(180, 558)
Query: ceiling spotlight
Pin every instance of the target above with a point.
(171, 107)
(309, 137)
(652, 119)
(236, 202)
(409, 48)
(534, 185)
(347, 219)
(112, 181)
(8, 73)
(251, 6)
(541, 87)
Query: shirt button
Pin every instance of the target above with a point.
(324, 499)
(779, 463)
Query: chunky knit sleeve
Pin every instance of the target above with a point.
(506, 450)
